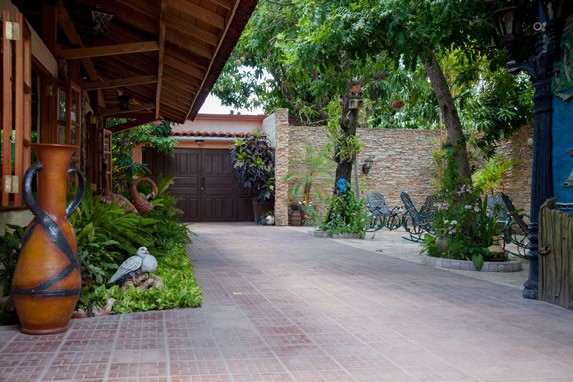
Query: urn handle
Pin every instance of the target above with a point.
(29, 196)
(27, 183)
(80, 193)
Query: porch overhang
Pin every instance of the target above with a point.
(164, 55)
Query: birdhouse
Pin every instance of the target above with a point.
(355, 97)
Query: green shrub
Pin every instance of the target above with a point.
(9, 251)
(180, 288)
(168, 230)
(346, 214)
(462, 218)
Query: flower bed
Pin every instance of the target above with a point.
(466, 265)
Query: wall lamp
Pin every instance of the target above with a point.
(367, 165)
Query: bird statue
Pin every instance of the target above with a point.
(142, 262)
(109, 197)
(140, 201)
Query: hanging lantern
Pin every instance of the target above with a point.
(124, 100)
(355, 97)
(100, 20)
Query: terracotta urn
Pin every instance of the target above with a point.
(397, 104)
(47, 281)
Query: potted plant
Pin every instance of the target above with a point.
(254, 162)
(316, 165)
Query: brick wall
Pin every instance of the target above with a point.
(282, 159)
(402, 162)
(517, 181)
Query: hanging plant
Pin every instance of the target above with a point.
(254, 160)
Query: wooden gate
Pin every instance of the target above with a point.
(205, 184)
(556, 256)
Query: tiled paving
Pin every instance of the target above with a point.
(281, 305)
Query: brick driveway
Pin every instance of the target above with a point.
(281, 305)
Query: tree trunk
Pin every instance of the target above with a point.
(348, 124)
(454, 130)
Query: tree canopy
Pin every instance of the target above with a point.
(439, 58)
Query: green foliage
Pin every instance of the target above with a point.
(346, 146)
(9, 251)
(316, 165)
(98, 221)
(180, 288)
(461, 217)
(490, 177)
(153, 135)
(382, 45)
(168, 230)
(347, 214)
(107, 235)
(254, 162)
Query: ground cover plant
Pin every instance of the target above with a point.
(461, 218)
(106, 236)
(112, 236)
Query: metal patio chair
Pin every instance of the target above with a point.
(515, 231)
(381, 215)
(418, 222)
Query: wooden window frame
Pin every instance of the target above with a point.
(16, 109)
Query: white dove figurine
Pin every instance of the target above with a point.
(142, 262)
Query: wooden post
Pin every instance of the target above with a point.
(556, 255)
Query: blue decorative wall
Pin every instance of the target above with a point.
(562, 130)
(563, 151)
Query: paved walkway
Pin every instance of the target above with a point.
(281, 305)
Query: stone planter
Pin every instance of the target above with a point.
(319, 233)
(465, 265)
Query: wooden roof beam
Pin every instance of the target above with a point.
(132, 124)
(117, 111)
(72, 35)
(123, 10)
(227, 4)
(109, 50)
(208, 17)
(185, 27)
(184, 67)
(177, 39)
(122, 82)
(200, 97)
(161, 55)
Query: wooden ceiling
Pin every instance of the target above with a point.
(164, 54)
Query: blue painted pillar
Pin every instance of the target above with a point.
(562, 153)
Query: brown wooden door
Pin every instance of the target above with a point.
(205, 184)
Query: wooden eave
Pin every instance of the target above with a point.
(165, 54)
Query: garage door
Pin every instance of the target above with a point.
(205, 184)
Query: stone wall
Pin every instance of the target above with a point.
(517, 181)
(403, 161)
(282, 155)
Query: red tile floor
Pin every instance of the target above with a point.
(281, 305)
